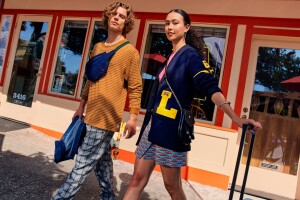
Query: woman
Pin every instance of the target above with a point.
(159, 142)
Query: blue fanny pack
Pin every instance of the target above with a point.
(97, 66)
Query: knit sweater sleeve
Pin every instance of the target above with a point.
(204, 81)
(134, 80)
(85, 92)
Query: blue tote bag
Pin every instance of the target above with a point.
(68, 145)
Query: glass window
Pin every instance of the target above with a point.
(4, 34)
(69, 57)
(158, 48)
(99, 34)
(276, 103)
(27, 62)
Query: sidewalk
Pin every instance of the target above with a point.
(27, 171)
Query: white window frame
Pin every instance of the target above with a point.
(64, 19)
(86, 54)
(9, 33)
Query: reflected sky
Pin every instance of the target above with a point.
(26, 34)
(71, 61)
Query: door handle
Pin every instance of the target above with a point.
(244, 116)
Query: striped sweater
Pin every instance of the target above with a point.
(106, 98)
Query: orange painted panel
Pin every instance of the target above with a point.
(49, 132)
(187, 173)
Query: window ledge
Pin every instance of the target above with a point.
(215, 127)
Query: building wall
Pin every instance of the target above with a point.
(257, 8)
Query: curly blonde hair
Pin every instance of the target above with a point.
(129, 23)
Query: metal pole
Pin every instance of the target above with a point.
(247, 165)
(238, 162)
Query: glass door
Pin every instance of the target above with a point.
(26, 58)
(273, 98)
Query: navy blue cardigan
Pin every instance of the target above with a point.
(186, 73)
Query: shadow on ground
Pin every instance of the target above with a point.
(11, 125)
(37, 177)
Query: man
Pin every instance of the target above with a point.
(105, 100)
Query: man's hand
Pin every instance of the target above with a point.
(80, 110)
(130, 128)
(79, 113)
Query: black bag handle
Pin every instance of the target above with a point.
(172, 90)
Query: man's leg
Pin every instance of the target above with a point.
(104, 174)
(93, 147)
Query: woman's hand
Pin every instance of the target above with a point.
(224, 105)
(240, 121)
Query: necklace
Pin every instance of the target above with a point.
(113, 43)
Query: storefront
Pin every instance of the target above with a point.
(251, 47)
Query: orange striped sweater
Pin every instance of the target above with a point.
(106, 98)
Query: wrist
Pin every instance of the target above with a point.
(133, 117)
(225, 102)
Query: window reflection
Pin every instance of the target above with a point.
(69, 57)
(276, 104)
(5, 26)
(99, 34)
(158, 48)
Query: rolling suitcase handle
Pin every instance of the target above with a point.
(245, 128)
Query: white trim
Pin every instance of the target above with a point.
(86, 54)
(56, 56)
(235, 71)
(9, 32)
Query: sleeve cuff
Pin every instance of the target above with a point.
(134, 111)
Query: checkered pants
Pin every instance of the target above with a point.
(94, 153)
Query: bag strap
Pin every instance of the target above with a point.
(121, 45)
(172, 90)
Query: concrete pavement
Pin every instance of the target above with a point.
(27, 171)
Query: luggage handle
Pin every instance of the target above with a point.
(246, 127)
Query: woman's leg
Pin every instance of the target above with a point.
(172, 181)
(142, 171)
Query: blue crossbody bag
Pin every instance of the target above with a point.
(97, 66)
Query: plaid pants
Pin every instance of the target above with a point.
(94, 153)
